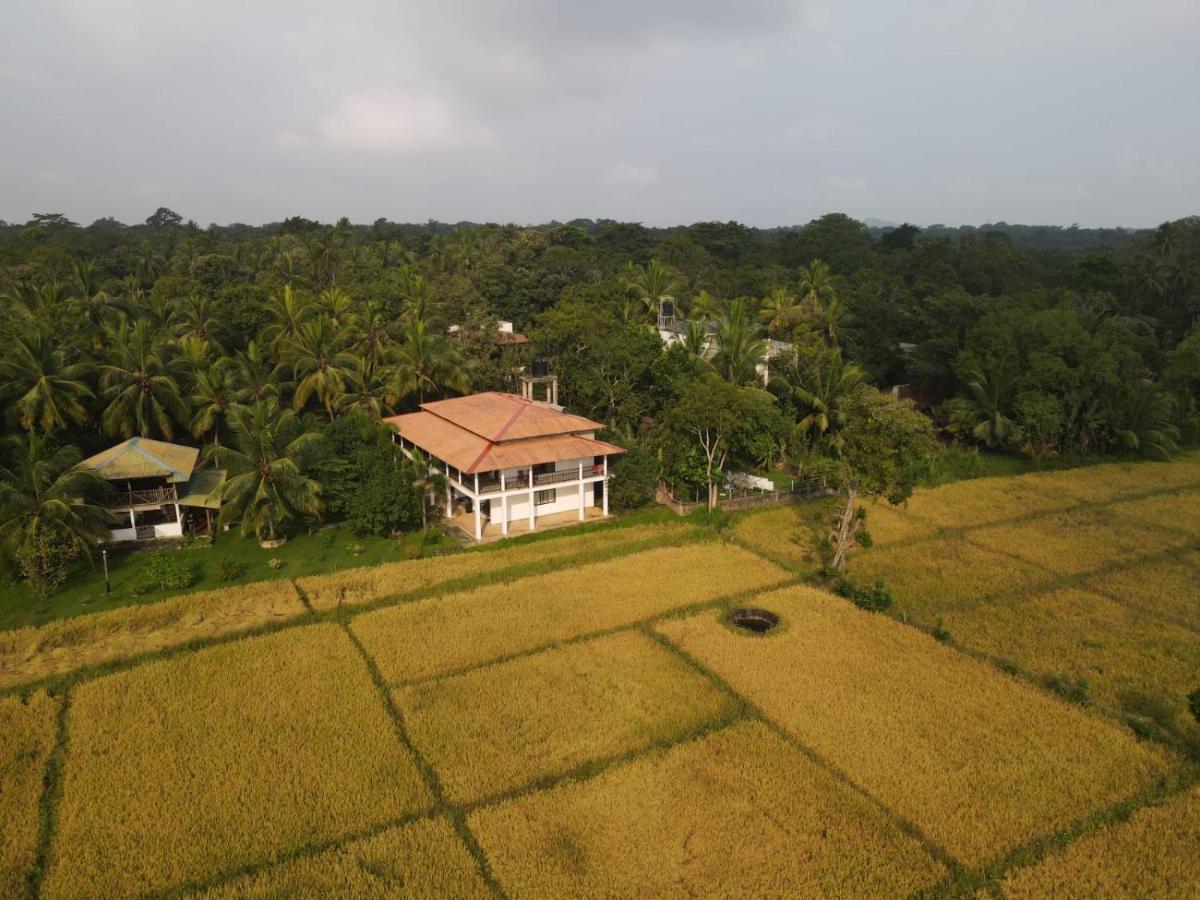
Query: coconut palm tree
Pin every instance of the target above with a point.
(779, 309)
(195, 318)
(696, 338)
(48, 392)
(266, 488)
(816, 286)
(653, 284)
(704, 306)
(427, 363)
(986, 413)
(821, 388)
(320, 358)
(213, 398)
(85, 286)
(368, 388)
(373, 339)
(42, 490)
(741, 350)
(138, 384)
(1145, 421)
(252, 377)
(289, 310)
(338, 305)
(148, 263)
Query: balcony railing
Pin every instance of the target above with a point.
(491, 485)
(148, 497)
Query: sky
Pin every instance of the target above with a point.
(768, 112)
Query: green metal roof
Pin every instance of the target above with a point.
(203, 489)
(141, 457)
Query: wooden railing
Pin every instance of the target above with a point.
(148, 497)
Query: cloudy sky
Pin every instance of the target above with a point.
(764, 111)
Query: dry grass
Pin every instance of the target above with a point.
(439, 635)
(1078, 541)
(1167, 590)
(425, 859)
(1120, 652)
(737, 814)
(27, 734)
(1110, 481)
(980, 762)
(183, 769)
(979, 501)
(356, 586)
(60, 647)
(929, 578)
(505, 726)
(784, 532)
(1177, 510)
(1153, 854)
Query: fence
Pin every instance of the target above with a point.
(732, 501)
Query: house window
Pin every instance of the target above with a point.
(543, 468)
(541, 498)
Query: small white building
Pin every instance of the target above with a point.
(157, 494)
(510, 461)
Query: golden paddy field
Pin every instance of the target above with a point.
(575, 717)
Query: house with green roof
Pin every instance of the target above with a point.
(158, 494)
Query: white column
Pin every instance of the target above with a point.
(449, 500)
(581, 490)
(503, 505)
(479, 525)
(132, 519)
(604, 488)
(532, 514)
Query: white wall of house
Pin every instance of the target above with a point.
(566, 499)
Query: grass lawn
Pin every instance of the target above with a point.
(305, 554)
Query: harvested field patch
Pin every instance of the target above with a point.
(1077, 541)
(63, 646)
(363, 585)
(977, 760)
(424, 859)
(182, 769)
(980, 501)
(28, 727)
(1153, 854)
(738, 813)
(439, 635)
(784, 532)
(931, 577)
(1120, 652)
(1169, 590)
(1175, 510)
(505, 726)
(1110, 481)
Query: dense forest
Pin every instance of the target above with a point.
(277, 347)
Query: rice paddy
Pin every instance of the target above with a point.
(351, 587)
(572, 716)
(738, 813)
(63, 646)
(183, 769)
(424, 859)
(500, 727)
(441, 635)
(1153, 854)
(912, 723)
(27, 732)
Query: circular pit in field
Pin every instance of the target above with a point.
(755, 621)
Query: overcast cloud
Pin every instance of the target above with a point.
(764, 111)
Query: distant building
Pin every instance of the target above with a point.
(511, 461)
(157, 492)
(672, 331)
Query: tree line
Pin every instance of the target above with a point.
(278, 348)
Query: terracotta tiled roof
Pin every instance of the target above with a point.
(141, 457)
(505, 417)
(490, 431)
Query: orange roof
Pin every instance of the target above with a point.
(507, 417)
(490, 431)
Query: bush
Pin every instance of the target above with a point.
(230, 570)
(940, 632)
(1194, 704)
(166, 571)
(875, 598)
(1076, 691)
(634, 477)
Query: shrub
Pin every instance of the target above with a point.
(1075, 691)
(875, 598)
(940, 632)
(230, 570)
(1194, 704)
(275, 563)
(166, 571)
